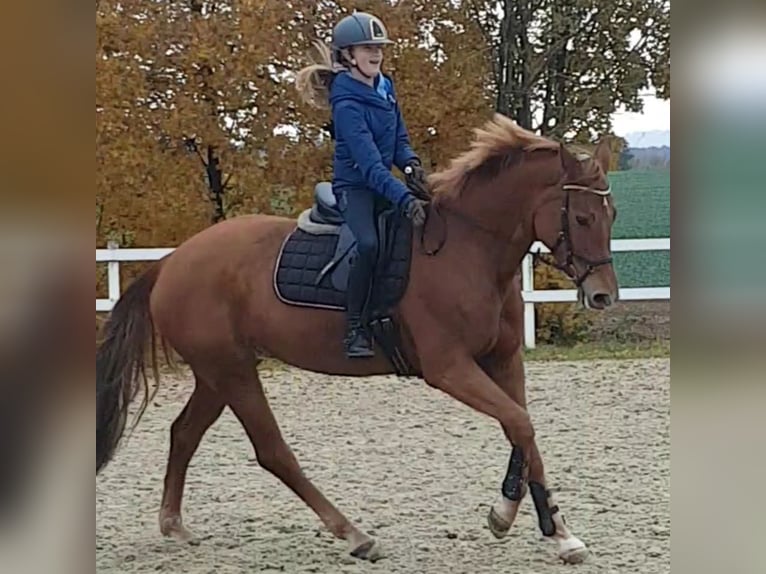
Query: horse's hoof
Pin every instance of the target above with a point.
(498, 526)
(174, 528)
(184, 536)
(573, 551)
(370, 550)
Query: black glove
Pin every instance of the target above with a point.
(415, 210)
(415, 177)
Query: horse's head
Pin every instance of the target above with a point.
(513, 180)
(575, 223)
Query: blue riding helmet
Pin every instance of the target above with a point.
(359, 28)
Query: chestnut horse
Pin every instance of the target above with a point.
(213, 301)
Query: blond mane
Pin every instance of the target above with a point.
(497, 137)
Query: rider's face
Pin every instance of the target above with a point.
(368, 58)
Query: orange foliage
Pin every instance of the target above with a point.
(219, 74)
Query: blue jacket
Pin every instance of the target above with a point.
(370, 136)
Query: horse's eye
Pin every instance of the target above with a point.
(583, 220)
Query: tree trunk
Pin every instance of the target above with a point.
(504, 70)
(524, 112)
(513, 64)
(216, 185)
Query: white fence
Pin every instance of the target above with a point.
(532, 296)
(113, 255)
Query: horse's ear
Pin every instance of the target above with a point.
(569, 162)
(603, 154)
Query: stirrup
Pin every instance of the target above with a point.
(358, 344)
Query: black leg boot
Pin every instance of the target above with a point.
(357, 342)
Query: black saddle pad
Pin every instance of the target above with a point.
(302, 276)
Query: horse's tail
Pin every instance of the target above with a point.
(120, 364)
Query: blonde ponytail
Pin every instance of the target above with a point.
(313, 81)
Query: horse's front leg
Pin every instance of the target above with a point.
(505, 366)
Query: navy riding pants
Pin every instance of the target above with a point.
(360, 208)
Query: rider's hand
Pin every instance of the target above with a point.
(415, 210)
(415, 177)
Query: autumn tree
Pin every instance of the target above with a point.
(562, 67)
(182, 83)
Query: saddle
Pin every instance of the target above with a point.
(313, 265)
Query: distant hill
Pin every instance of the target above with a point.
(653, 138)
(646, 150)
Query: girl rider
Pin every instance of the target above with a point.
(370, 137)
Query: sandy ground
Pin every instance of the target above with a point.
(413, 467)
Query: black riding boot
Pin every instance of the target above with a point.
(357, 341)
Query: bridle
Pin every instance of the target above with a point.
(564, 237)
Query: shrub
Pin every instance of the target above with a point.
(558, 323)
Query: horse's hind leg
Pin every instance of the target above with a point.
(507, 370)
(201, 411)
(246, 398)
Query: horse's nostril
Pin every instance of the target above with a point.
(602, 299)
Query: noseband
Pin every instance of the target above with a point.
(565, 238)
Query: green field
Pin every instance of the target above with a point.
(642, 199)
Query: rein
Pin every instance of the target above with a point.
(436, 209)
(564, 237)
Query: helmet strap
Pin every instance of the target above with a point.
(353, 63)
